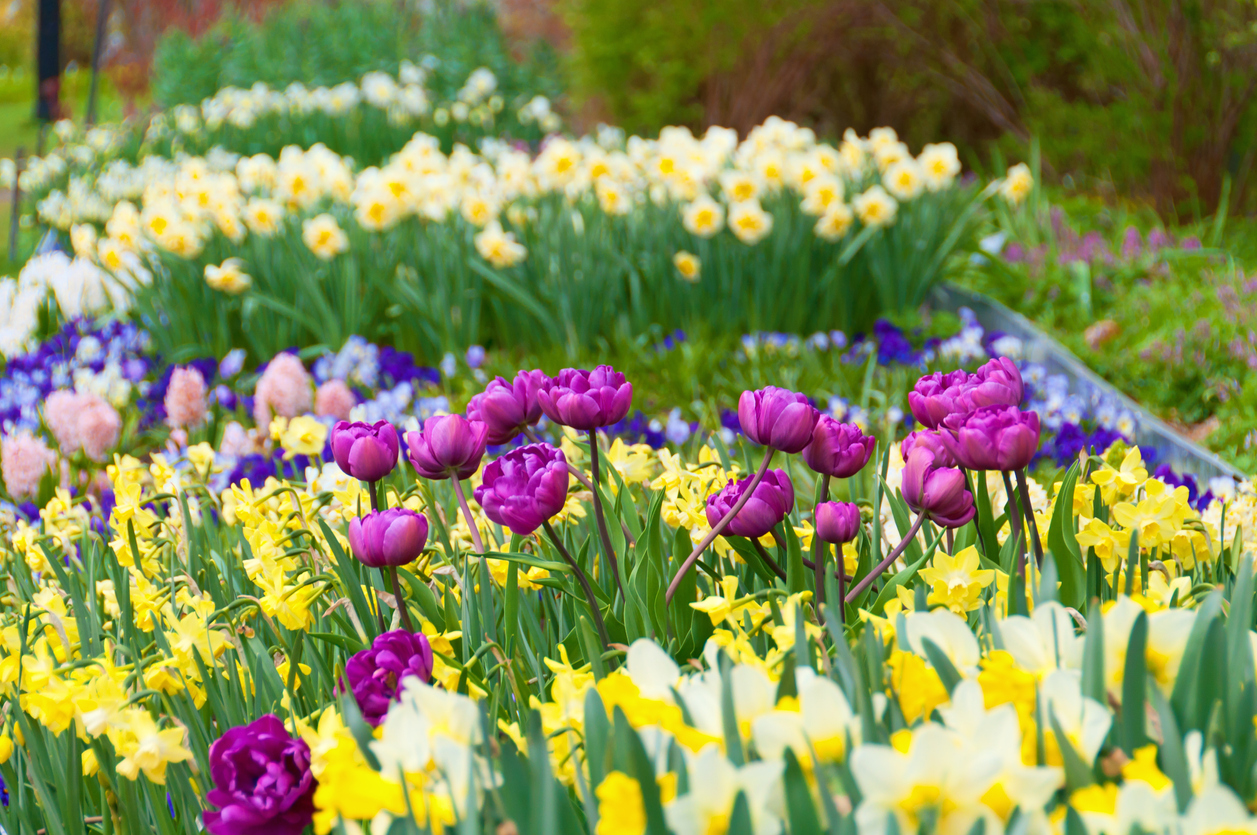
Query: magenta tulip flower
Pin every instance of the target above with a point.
(837, 522)
(586, 400)
(367, 452)
(838, 449)
(525, 487)
(375, 675)
(508, 407)
(777, 418)
(1000, 438)
(939, 492)
(997, 383)
(262, 781)
(930, 440)
(448, 445)
(388, 538)
(772, 500)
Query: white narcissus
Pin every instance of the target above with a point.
(714, 783)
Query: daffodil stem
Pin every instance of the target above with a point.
(768, 560)
(1023, 487)
(598, 515)
(471, 521)
(719, 526)
(580, 476)
(868, 579)
(584, 584)
(400, 600)
(1014, 523)
(818, 550)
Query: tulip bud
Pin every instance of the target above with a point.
(929, 440)
(838, 449)
(993, 438)
(507, 407)
(939, 492)
(837, 522)
(772, 500)
(777, 418)
(367, 452)
(586, 400)
(388, 538)
(448, 445)
(525, 487)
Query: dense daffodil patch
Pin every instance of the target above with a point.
(420, 636)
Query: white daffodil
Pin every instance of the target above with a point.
(821, 724)
(652, 670)
(1168, 631)
(1217, 810)
(714, 786)
(1084, 720)
(947, 631)
(1043, 642)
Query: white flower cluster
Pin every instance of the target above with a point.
(77, 286)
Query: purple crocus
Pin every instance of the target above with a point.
(375, 675)
(388, 538)
(586, 400)
(525, 487)
(778, 418)
(365, 451)
(939, 492)
(1000, 438)
(837, 522)
(838, 449)
(262, 781)
(507, 407)
(772, 500)
(448, 445)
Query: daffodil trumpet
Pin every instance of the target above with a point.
(868, 579)
(719, 526)
(584, 584)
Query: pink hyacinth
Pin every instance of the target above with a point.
(99, 427)
(61, 415)
(236, 441)
(23, 461)
(284, 390)
(185, 398)
(334, 399)
(82, 421)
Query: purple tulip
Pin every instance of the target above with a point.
(838, 449)
(388, 538)
(939, 492)
(930, 440)
(525, 487)
(586, 400)
(992, 438)
(837, 522)
(935, 396)
(448, 445)
(507, 407)
(997, 383)
(262, 781)
(367, 452)
(375, 675)
(772, 500)
(777, 418)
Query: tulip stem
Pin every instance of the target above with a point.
(1024, 489)
(842, 582)
(471, 521)
(575, 471)
(818, 551)
(719, 526)
(886, 563)
(1014, 523)
(602, 521)
(768, 560)
(397, 597)
(584, 584)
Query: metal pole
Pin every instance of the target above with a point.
(102, 18)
